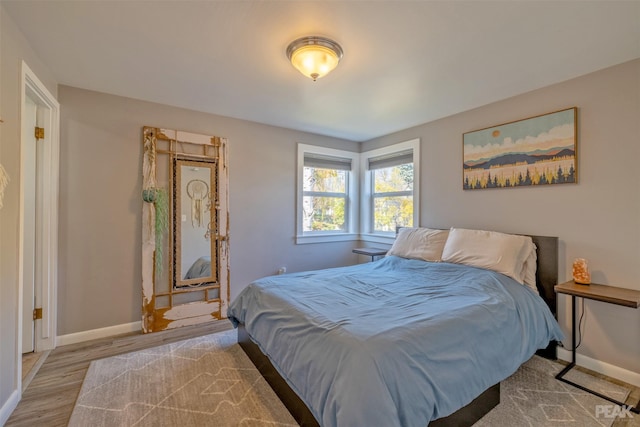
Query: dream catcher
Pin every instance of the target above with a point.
(198, 191)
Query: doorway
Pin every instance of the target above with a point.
(38, 229)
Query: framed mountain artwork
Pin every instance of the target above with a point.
(540, 150)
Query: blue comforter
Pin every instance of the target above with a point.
(395, 342)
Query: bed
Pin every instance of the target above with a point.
(400, 341)
(200, 268)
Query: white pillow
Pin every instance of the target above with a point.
(419, 243)
(504, 253)
(530, 267)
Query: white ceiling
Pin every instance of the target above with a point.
(405, 62)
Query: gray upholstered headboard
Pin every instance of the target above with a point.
(547, 271)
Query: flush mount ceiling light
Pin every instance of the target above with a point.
(314, 56)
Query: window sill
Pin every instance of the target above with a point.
(326, 238)
(378, 238)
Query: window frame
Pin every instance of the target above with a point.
(367, 233)
(351, 202)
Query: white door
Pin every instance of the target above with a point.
(38, 228)
(29, 246)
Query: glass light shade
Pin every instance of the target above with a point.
(314, 57)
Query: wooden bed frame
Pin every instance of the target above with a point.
(546, 279)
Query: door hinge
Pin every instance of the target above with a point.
(39, 133)
(37, 313)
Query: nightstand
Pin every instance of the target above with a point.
(372, 252)
(609, 294)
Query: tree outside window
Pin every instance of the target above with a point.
(392, 197)
(324, 202)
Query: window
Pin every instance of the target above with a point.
(324, 193)
(390, 197)
(392, 184)
(327, 194)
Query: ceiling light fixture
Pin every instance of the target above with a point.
(314, 56)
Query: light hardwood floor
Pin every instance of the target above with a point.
(48, 401)
(29, 361)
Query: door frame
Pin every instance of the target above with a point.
(47, 275)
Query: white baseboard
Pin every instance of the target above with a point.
(9, 406)
(607, 369)
(98, 333)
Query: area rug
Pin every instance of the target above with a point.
(209, 381)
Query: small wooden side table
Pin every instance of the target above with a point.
(372, 252)
(609, 294)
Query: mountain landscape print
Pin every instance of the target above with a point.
(537, 151)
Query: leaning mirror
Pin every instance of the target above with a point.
(195, 218)
(185, 261)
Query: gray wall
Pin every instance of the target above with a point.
(14, 49)
(597, 219)
(101, 207)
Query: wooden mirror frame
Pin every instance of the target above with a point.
(164, 305)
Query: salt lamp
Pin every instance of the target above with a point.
(581, 273)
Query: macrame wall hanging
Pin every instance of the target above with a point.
(197, 190)
(4, 180)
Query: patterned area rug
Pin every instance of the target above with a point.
(204, 381)
(209, 381)
(533, 397)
